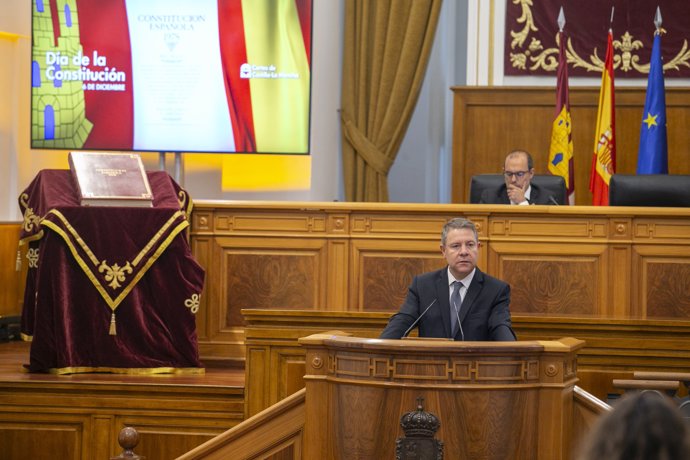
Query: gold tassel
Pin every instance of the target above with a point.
(112, 331)
(18, 263)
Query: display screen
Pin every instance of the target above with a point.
(171, 75)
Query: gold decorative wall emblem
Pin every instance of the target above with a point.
(536, 57)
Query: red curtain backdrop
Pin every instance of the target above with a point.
(531, 28)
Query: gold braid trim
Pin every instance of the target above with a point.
(130, 370)
(113, 303)
(29, 239)
(74, 233)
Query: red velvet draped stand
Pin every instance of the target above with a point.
(109, 289)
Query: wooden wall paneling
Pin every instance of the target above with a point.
(662, 281)
(489, 122)
(382, 270)
(362, 256)
(275, 361)
(338, 272)
(162, 438)
(614, 347)
(257, 378)
(553, 279)
(12, 281)
(266, 272)
(619, 282)
(29, 435)
(273, 272)
(102, 440)
(387, 250)
(288, 363)
(338, 275)
(620, 278)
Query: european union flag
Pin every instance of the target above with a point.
(652, 157)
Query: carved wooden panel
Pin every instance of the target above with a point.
(661, 285)
(438, 370)
(275, 222)
(668, 288)
(289, 275)
(38, 435)
(384, 270)
(548, 228)
(399, 224)
(555, 286)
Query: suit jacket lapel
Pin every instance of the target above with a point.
(503, 195)
(444, 299)
(472, 293)
(533, 195)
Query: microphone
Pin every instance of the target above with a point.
(457, 315)
(418, 318)
(553, 200)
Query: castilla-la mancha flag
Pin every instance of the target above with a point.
(604, 156)
(561, 149)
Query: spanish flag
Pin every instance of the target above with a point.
(561, 149)
(604, 156)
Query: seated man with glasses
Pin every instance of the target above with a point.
(459, 301)
(518, 171)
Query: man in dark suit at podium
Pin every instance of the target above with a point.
(458, 301)
(518, 170)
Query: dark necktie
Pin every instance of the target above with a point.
(455, 303)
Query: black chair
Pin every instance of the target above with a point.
(663, 190)
(554, 185)
(9, 327)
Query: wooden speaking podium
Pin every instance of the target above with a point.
(495, 400)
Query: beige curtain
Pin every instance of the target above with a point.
(386, 50)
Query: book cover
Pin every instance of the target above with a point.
(110, 179)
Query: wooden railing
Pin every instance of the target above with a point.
(273, 433)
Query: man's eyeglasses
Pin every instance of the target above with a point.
(518, 174)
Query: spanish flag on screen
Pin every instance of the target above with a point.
(604, 156)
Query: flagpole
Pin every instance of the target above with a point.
(604, 150)
(652, 154)
(560, 161)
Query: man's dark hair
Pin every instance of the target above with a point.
(455, 224)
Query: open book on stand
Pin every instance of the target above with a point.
(110, 179)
